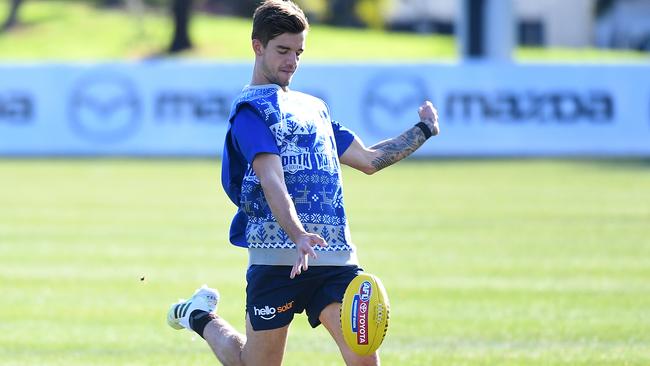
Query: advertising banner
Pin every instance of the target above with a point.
(174, 108)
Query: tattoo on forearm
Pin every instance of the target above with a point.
(393, 150)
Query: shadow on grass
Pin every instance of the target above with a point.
(621, 163)
(609, 163)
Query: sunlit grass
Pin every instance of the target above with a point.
(507, 262)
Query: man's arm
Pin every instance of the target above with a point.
(268, 168)
(388, 152)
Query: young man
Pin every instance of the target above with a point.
(281, 167)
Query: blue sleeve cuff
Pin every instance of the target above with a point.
(343, 136)
(251, 135)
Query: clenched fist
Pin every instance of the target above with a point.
(429, 115)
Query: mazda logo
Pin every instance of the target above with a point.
(391, 102)
(104, 108)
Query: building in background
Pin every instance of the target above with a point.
(625, 24)
(553, 23)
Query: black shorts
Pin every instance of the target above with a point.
(272, 297)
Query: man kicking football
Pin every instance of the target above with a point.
(281, 167)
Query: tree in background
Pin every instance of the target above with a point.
(110, 3)
(347, 13)
(182, 13)
(245, 8)
(343, 13)
(12, 18)
(602, 6)
(373, 13)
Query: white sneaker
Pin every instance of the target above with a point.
(204, 298)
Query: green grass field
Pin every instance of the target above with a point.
(487, 262)
(71, 31)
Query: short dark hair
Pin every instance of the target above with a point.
(274, 17)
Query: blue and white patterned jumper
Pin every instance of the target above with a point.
(304, 136)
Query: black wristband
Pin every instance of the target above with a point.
(425, 129)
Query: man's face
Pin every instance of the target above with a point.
(280, 58)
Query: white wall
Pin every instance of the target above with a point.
(422, 9)
(568, 23)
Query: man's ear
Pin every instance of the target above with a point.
(258, 47)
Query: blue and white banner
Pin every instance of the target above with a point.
(181, 108)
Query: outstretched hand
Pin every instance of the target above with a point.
(429, 115)
(304, 249)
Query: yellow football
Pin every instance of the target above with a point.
(364, 314)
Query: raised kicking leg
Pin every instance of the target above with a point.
(257, 348)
